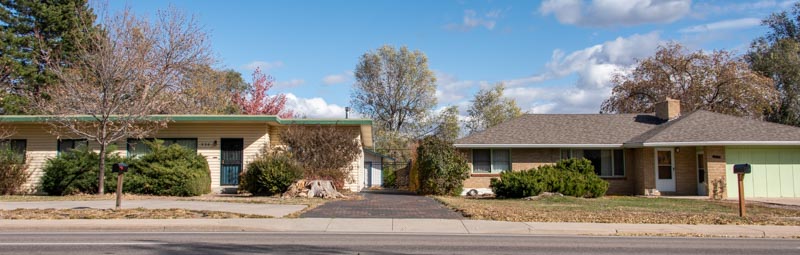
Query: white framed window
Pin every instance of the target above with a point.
(606, 162)
(486, 161)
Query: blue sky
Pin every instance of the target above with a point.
(554, 56)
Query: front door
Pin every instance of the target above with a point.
(702, 186)
(368, 174)
(231, 159)
(665, 170)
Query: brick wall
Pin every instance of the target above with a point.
(645, 170)
(524, 159)
(715, 168)
(627, 184)
(685, 171)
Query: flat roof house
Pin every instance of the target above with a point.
(666, 153)
(229, 142)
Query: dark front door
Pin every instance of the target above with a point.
(231, 160)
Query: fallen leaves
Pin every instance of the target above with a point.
(635, 210)
(136, 213)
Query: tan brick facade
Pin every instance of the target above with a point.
(685, 171)
(715, 169)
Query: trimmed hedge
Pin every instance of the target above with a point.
(571, 177)
(441, 169)
(269, 175)
(75, 172)
(167, 171)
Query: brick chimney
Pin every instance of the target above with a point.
(668, 109)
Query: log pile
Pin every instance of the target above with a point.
(313, 188)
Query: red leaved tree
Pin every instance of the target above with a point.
(257, 101)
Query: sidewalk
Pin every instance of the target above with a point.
(424, 226)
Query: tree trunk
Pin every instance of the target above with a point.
(101, 175)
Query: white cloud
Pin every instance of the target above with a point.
(594, 67)
(472, 20)
(334, 79)
(601, 13)
(290, 83)
(452, 90)
(264, 65)
(315, 108)
(723, 25)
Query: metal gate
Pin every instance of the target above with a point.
(231, 159)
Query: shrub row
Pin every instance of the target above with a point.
(167, 170)
(270, 174)
(441, 170)
(571, 177)
(13, 173)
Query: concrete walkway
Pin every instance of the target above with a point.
(778, 201)
(427, 226)
(245, 208)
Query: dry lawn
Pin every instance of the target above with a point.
(310, 203)
(137, 213)
(620, 209)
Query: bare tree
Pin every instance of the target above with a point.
(324, 152)
(714, 81)
(131, 69)
(394, 87)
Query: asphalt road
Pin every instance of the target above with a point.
(305, 243)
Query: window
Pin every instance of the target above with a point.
(65, 145)
(481, 161)
(18, 146)
(136, 148)
(606, 162)
(490, 160)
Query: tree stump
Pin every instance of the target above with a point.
(313, 188)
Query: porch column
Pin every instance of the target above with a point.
(715, 171)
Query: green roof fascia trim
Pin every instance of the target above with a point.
(201, 118)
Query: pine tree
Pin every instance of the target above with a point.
(36, 34)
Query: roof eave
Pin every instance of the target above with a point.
(722, 143)
(478, 146)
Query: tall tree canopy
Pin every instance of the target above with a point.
(777, 55)
(489, 108)
(205, 90)
(715, 81)
(394, 87)
(34, 35)
(257, 100)
(134, 68)
(448, 127)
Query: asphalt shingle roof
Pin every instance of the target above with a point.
(566, 129)
(631, 129)
(705, 126)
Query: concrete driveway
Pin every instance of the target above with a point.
(390, 204)
(257, 209)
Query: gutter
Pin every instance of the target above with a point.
(462, 145)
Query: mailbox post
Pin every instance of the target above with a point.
(740, 170)
(120, 169)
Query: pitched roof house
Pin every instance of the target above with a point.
(662, 153)
(229, 142)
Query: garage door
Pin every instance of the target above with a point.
(776, 172)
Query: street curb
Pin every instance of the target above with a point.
(399, 226)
